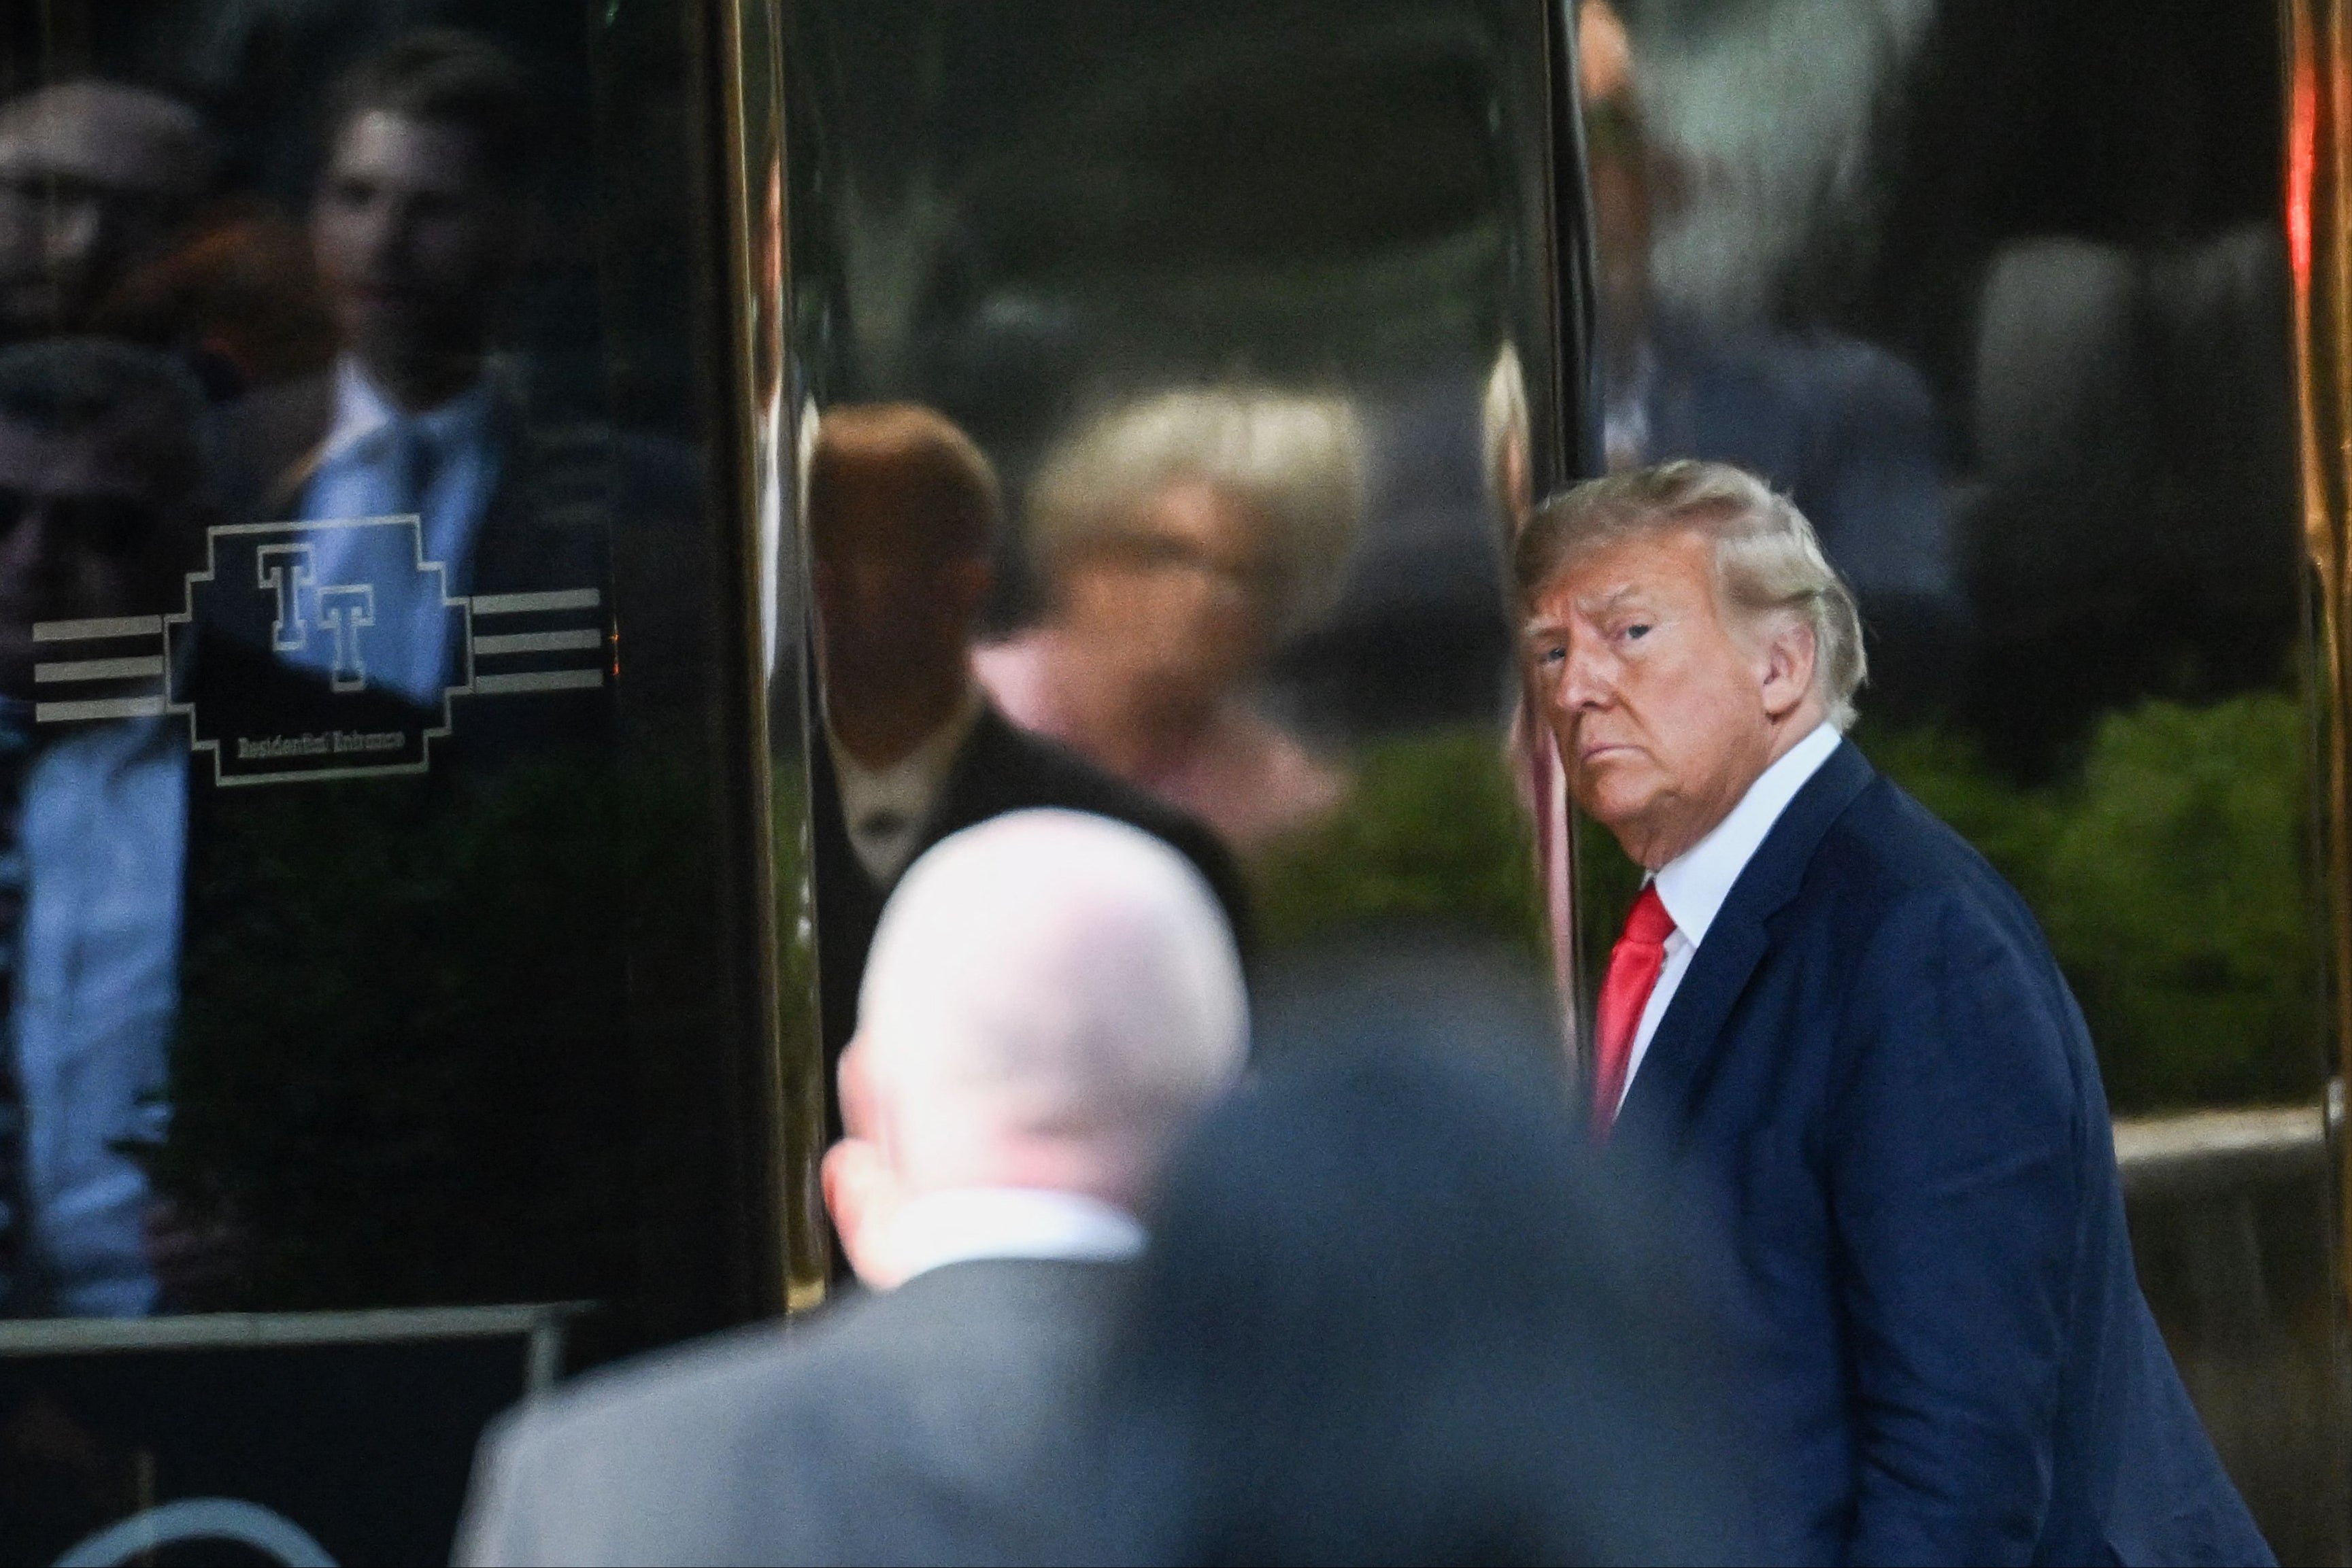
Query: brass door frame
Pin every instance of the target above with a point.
(759, 295)
(2318, 220)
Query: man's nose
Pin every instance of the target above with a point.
(1586, 678)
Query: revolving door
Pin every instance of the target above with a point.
(435, 678)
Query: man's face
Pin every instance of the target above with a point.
(1619, 164)
(415, 241)
(1664, 715)
(84, 534)
(895, 607)
(1177, 595)
(92, 177)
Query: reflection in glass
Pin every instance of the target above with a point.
(903, 512)
(1998, 299)
(366, 902)
(1217, 291)
(102, 487)
(1182, 540)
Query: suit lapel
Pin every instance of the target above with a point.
(1690, 1034)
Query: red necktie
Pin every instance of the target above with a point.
(1633, 966)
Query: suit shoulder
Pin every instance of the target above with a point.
(705, 1387)
(686, 1385)
(1915, 914)
(1887, 851)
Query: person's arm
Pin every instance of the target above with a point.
(1955, 1181)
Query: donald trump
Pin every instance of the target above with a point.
(1841, 1039)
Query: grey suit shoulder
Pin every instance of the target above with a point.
(928, 1424)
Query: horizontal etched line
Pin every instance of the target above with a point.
(117, 626)
(103, 707)
(537, 680)
(537, 603)
(540, 643)
(99, 669)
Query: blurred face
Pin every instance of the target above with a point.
(1618, 165)
(91, 179)
(895, 609)
(1664, 714)
(415, 241)
(83, 535)
(1177, 595)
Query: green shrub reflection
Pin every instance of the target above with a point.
(2173, 870)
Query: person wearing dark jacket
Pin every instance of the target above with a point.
(902, 512)
(1833, 1036)
(1053, 998)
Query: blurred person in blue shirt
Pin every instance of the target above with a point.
(101, 481)
(422, 222)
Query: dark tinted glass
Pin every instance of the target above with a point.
(1998, 293)
(378, 862)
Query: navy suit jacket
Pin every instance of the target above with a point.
(1874, 1085)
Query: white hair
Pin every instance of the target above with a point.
(1050, 974)
(1768, 560)
(1298, 462)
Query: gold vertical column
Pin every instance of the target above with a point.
(2319, 247)
(752, 130)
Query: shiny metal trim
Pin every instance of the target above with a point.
(2318, 220)
(759, 295)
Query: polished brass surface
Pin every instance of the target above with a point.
(2319, 242)
(760, 295)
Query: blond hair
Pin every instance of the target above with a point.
(1296, 461)
(1768, 560)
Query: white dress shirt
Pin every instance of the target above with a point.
(105, 836)
(378, 462)
(969, 1224)
(884, 808)
(1694, 885)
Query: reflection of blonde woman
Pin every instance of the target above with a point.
(1182, 538)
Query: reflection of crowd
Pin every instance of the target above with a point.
(1846, 429)
(903, 511)
(1182, 540)
(179, 354)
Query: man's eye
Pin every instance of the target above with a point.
(1636, 632)
(1555, 655)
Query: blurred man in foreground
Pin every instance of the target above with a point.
(102, 484)
(1848, 1037)
(1052, 997)
(1391, 1313)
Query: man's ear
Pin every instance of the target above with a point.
(861, 1195)
(1785, 654)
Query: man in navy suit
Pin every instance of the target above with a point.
(1842, 1042)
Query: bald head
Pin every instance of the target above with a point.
(1050, 998)
(93, 175)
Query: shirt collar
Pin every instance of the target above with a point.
(968, 1225)
(1694, 885)
(909, 786)
(363, 408)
